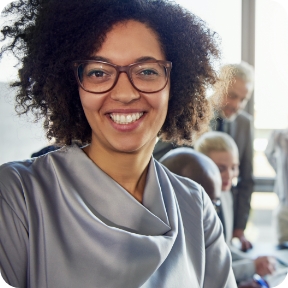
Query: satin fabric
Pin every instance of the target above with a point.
(65, 223)
(228, 214)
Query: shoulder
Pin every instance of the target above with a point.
(11, 173)
(12, 191)
(282, 133)
(243, 116)
(21, 177)
(24, 184)
(22, 170)
(279, 138)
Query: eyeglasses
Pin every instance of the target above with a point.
(100, 77)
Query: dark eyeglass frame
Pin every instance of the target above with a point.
(121, 69)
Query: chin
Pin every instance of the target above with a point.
(128, 148)
(226, 188)
(231, 117)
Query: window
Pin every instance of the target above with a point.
(271, 85)
(224, 17)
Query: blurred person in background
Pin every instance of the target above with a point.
(189, 163)
(223, 151)
(233, 120)
(196, 166)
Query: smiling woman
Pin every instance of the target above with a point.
(106, 214)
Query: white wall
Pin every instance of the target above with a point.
(271, 65)
(19, 137)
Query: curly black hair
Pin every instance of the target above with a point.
(49, 34)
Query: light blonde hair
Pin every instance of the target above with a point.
(245, 72)
(215, 141)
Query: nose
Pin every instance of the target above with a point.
(124, 91)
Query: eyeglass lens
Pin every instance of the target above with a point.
(100, 77)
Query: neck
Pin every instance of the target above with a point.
(128, 169)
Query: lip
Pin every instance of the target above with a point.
(125, 127)
(125, 111)
(226, 184)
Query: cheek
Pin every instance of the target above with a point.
(90, 101)
(235, 173)
(231, 102)
(160, 102)
(225, 176)
(237, 103)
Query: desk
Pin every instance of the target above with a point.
(267, 249)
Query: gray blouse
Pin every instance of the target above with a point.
(65, 223)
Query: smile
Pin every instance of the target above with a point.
(125, 118)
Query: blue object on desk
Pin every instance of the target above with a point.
(259, 280)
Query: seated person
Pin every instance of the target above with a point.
(188, 163)
(221, 148)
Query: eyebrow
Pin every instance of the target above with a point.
(140, 59)
(233, 94)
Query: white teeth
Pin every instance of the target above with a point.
(125, 118)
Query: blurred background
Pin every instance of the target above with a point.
(251, 30)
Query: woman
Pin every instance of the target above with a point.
(222, 150)
(107, 214)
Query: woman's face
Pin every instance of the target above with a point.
(228, 164)
(126, 43)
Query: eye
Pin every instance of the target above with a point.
(221, 169)
(98, 76)
(96, 73)
(148, 72)
(235, 167)
(232, 96)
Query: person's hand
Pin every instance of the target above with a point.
(249, 284)
(245, 244)
(265, 265)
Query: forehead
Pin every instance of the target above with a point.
(127, 41)
(239, 87)
(226, 158)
